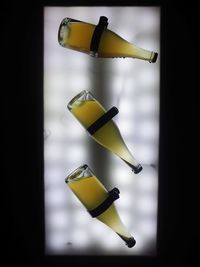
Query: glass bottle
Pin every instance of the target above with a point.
(92, 193)
(77, 35)
(88, 110)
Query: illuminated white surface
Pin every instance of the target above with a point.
(133, 86)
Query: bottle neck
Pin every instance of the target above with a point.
(130, 241)
(135, 168)
(112, 45)
(133, 51)
(111, 218)
(140, 53)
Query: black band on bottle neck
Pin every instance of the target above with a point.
(112, 196)
(103, 23)
(102, 120)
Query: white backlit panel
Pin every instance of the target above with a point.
(132, 86)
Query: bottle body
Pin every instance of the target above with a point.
(87, 110)
(91, 193)
(77, 35)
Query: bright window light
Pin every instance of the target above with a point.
(132, 86)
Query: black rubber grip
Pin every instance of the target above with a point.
(94, 45)
(112, 196)
(102, 120)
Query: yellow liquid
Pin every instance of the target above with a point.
(108, 135)
(77, 35)
(91, 192)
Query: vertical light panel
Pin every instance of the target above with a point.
(133, 86)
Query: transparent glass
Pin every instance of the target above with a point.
(87, 110)
(91, 193)
(77, 35)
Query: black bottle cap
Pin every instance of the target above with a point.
(137, 169)
(130, 242)
(154, 58)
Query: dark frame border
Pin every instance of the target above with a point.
(90, 258)
(22, 104)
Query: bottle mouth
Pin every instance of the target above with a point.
(81, 172)
(154, 57)
(130, 242)
(137, 169)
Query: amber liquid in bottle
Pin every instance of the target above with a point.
(87, 110)
(77, 35)
(91, 192)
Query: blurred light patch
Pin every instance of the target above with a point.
(126, 128)
(55, 241)
(125, 201)
(147, 204)
(55, 197)
(147, 228)
(53, 151)
(148, 181)
(126, 218)
(148, 129)
(81, 238)
(126, 107)
(53, 173)
(75, 131)
(120, 175)
(82, 218)
(58, 219)
(76, 152)
(147, 153)
(56, 128)
(131, 85)
(147, 104)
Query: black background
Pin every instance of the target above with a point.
(22, 140)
